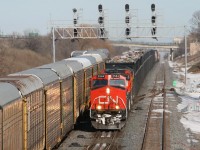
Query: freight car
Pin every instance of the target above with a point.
(39, 106)
(102, 52)
(113, 90)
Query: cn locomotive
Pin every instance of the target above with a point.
(110, 99)
(112, 91)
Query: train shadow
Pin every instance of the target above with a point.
(84, 123)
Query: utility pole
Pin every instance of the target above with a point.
(185, 55)
(54, 47)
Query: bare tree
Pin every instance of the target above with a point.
(2, 62)
(195, 26)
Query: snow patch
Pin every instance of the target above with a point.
(191, 121)
(171, 64)
(154, 117)
(190, 98)
(192, 141)
(160, 111)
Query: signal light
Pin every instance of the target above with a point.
(75, 21)
(153, 7)
(74, 10)
(127, 7)
(75, 32)
(153, 19)
(127, 19)
(100, 20)
(127, 31)
(100, 8)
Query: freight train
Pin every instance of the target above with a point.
(39, 106)
(113, 90)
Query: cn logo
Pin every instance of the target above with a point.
(108, 100)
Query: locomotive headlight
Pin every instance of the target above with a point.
(99, 107)
(117, 106)
(108, 90)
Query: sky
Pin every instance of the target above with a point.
(21, 15)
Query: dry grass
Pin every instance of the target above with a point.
(191, 59)
(21, 54)
(195, 68)
(14, 60)
(193, 62)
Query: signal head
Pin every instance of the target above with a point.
(75, 32)
(127, 31)
(100, 8)
(153, 7)
(153, 19)
(127, 7)
(75, 21)
(74, 10)
(100, 20)
(127, 19)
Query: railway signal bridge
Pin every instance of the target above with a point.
(130, 28)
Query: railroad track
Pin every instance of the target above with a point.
(155, 136)
(104, 141)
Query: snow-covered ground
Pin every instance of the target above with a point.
(190, 96)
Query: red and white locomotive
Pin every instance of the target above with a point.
(112, 91)
(110, 98)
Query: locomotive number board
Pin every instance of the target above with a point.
(115, 75)
(101, 76)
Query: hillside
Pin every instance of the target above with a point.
(193, 62)
(13, 60)
(21, 54)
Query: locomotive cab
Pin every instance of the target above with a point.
(109, 103)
